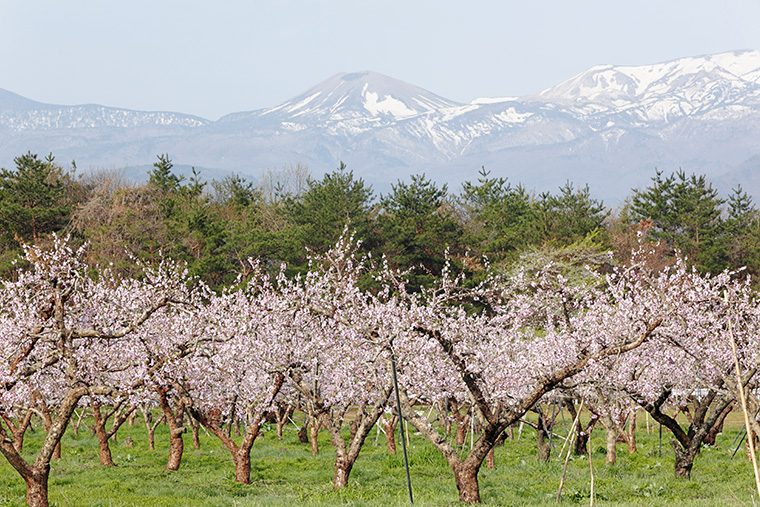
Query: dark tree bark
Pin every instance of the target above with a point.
(712, 435)
(582, 433)
(543, 444)
(706, 413)
(496, 418)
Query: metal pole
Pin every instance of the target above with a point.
(401, 427)
(659, 452)
(744, 435)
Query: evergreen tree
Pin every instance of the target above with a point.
(498, 219)
(418, 225)
(166, 184)
(162, 177)
(33, 199)
(743, 232)
(571, 215)
(329, 205)
(685, 211)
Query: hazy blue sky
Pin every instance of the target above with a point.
(211, 58)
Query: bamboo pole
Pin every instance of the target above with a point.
(743, 399)
(570, 439)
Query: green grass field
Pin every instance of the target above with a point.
(286, 474)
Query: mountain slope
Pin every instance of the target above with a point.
(19, 113)
(609, 126)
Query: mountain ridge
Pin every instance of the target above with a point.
(702, 112)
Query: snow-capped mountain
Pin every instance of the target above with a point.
(726, 82)
(609, 126)
(19, 113)
(361, 100)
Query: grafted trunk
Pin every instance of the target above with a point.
(174, 421)
(466, 477)
(243, 466)
(343, 468)
(106, 459)
(612, 437)
(314, 435)
(37, 488)
(684, 460)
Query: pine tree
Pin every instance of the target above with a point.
(329, 205)
(161, 176)
(685, 211)
(33, 198)
(418, 224)
(743, 232)
(498, 219)
(571, 215)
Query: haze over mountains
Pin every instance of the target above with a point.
(610, 127)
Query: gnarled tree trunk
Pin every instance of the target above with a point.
(174, 420)
(684, 460)
(37, 488)
(240, 454)
(106, 459)
(346, 453)
(466, 477)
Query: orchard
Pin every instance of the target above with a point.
(473, 360)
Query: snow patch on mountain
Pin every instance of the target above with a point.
(701, 112)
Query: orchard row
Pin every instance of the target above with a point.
(475, 355)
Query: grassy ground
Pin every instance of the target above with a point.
(285, 474)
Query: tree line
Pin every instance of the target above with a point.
(215, 226)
